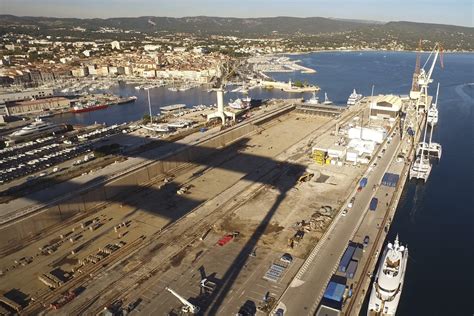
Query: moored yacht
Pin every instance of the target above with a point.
(164, 128)
(326, 99)
(314, 100)
(35, 129)
(421, 168)
(431, 149)
(353, 98)
(432, 116)
(388, 283)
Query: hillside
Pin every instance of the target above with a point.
(312, 29)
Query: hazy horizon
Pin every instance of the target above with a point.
(459, 13)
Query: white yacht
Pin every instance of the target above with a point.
(432, 115)
(421, 168)
(240, 104)
(432, 149)
(388, 283)
(354, 98)
(37, 128)
(164, 128)
(180, 124)
(326, 99)
(314, 100)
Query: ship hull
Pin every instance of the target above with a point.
(89, 109)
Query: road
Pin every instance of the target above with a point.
(304, 293)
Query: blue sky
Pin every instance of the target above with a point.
(457, 12)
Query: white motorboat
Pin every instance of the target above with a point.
(326, 99)
(314, 100)
(163, 128)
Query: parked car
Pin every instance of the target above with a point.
(366, 241)
(351, 202)
(344, 213)
(287, 258)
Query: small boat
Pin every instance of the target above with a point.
(314, 100)
(180, 124)
(164, 128)
(45, 115)
(326, 99)
(127, 100)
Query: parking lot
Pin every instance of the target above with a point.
(38, 155)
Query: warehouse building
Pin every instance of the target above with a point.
(34, 106)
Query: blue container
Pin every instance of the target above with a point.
(346, 258)
(351, 269)
(334, 291)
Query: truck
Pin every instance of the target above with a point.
(373, 204)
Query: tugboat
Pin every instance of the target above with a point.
(388, 284)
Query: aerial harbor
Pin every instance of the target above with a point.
(233, 166)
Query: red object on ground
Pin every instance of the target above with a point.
(224, 240)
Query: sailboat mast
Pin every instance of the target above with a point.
(149, 107)
(437, 91)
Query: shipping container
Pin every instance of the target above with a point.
(334, 291)
(346, 258)
(373, 204)
(358, 254)
(363, 182)
(390, 179)
(351, 269)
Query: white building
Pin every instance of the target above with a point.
(115, 45)
(385, 107)
(370, 134)
(150, 47)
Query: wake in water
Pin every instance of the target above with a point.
(468, 100)
(417, 200)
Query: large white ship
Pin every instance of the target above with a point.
(35, 129)
(353, 98)
(388, 284)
